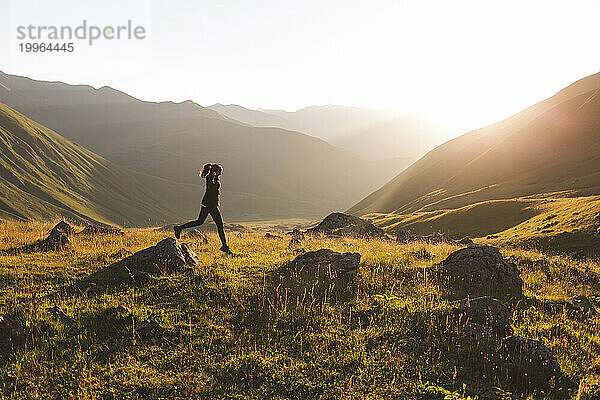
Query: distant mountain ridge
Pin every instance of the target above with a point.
(268, 172)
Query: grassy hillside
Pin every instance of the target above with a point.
(43, 175)
(394, 341)
(551, 147)
(269, 172)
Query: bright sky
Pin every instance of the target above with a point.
(473, 61)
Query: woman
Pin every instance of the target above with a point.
(210, 204)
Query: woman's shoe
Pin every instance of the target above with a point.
(225, 249)
(177, 230)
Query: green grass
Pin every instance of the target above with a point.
(225, 338)
(553, 222)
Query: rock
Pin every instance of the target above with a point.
(475, 330)
(121, 253)
(466, 241)
(294, 242)
(589, 388)
(198, 235)
(485, 311)
(119, 311)
(436, 238)
(147, 328)
(578, 255)
(64, 227)
(58, 313)
(340, 224)
(481, 271)
(271, 236)
(530, 363)
(297, 234)
(404, 236)
(166, 256)
(317, 274)
(581, 307)
(56, 241)
(239, 234)
(101, 230)
(11, 331)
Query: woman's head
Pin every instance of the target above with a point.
(216, 169)
(209, 168)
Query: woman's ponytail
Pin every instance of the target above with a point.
(205, 170)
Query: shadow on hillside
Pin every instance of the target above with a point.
(34, 247)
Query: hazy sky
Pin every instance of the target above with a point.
(472, 60)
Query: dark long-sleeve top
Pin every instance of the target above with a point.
(211, 196)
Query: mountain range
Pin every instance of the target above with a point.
(371, 133)
(500, 180)
(268, 172)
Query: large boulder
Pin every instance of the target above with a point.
(480, 271)
(58, 239)
(316, 275)
(529, 364)
(166, 256)
(340, 224)
(485, 311)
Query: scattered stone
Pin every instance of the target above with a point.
(11, 330)
(297, 234)
(198, 235)
(486, 311)
(481, 271)
(299, 251)
(166, 256)
(340, 224)
(404, 236)
(57, 240)
(58, 313)
(147, 328)
(294, 242)
(271, 236)
(121, 253)
(581, 307)
(466, 241)
(436, 238)
(540, 263)
(530, 362)
(321, 273)
(578, 255)
(101, 230)
(119, 311)
(64, 227)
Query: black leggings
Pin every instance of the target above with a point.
(215, 213)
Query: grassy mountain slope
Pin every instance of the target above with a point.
(269, 172)
(43, 175)
(553, 146)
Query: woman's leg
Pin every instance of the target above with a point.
(216, 216)
(198, 222)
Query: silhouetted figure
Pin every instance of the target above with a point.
(210, 204)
